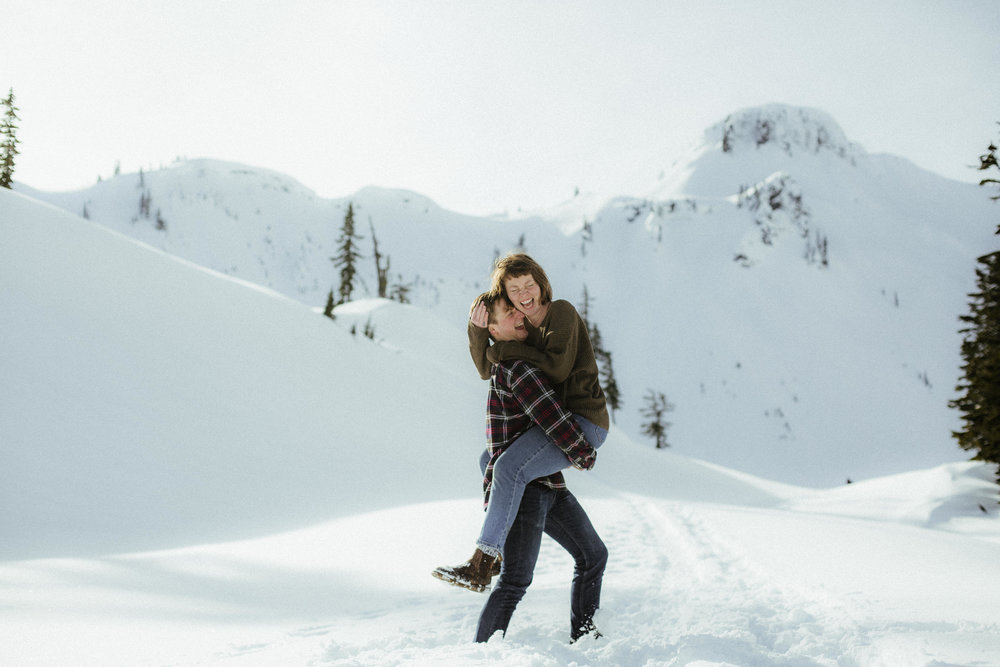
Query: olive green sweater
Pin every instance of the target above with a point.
(560, 347)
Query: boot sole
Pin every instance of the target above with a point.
(455, 581)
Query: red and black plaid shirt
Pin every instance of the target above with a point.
(521, 397)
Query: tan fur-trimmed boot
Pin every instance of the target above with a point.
(474, 574)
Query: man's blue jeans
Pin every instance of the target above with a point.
(557, 513)
(530, 456)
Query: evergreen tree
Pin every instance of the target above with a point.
(657, 406)
(585, 306)
(605, 371)
(400, 291)
(382, 272)
(609, 382)
(8, 140)
(145, 201)
(328, 311)
(979, 387)
(348, 255)
(989, 161)
(586, 236)
(605, 365)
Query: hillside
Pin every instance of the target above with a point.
(198, 470)
(795, 297)
(148, 402)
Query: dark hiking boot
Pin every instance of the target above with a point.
(588, 629)
(474, 574)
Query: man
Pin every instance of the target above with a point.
(521, 397)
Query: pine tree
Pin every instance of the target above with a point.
(586, 236)
(609, 382)
(382, 272)
(605, 371)
(348, 255)
(8, 140)
(328, 311)
(988, 160)
(605, 365)
(400, 291)
(145, 201)
(585, 306)
(979, 387)
(657, 406)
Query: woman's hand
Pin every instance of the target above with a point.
(479, 316)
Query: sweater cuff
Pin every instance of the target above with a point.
(493, 353)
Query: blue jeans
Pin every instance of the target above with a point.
(531, 456)
(560, 516)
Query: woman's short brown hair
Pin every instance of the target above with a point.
(514, 265)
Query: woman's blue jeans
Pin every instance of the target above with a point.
(531, 456)
(557, 513)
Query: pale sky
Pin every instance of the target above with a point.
(483, 106)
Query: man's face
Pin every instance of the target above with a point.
(509, 323)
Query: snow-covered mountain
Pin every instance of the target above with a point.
(793, 296)
(199, 470)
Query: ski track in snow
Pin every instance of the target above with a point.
(681, 588)
(669, 567)
(761, 624)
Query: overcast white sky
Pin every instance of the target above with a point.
(482, 106)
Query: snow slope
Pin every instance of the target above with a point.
(132, 368)
(795, 297)
(197, 470)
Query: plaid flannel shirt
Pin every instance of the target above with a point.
(521, 397)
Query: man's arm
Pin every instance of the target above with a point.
(533, 392)
(479, 344)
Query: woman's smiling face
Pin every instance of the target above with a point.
(525, 294)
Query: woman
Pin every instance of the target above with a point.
(557, 343)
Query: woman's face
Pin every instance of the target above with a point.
(525, 294)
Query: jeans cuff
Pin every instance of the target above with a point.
(489, 550)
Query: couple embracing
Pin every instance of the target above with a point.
(546, 411)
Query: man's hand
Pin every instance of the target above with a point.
(479, 316)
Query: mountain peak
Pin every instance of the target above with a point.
(790, 129)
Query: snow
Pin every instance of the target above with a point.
(712, 289)
(199, 468)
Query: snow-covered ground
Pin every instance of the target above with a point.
(197, 470)
(688, 582)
